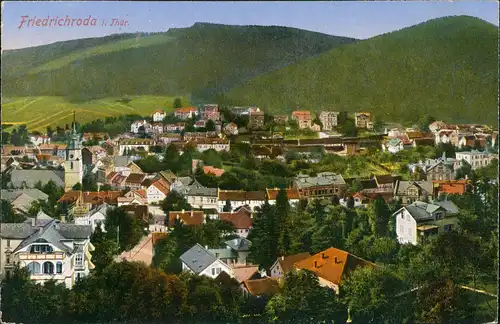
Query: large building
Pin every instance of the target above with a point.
(329, 119)
(476, 159)
(50, 249)
(73, 166)
(325, 184)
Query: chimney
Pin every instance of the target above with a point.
(282, 257)
(183, 211)
(206, 247)
(315, 264)
(33, 222)
(62, 218)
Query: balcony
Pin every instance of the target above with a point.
(41, 256)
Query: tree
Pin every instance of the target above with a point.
(348, 128)
(171, 159)
(424, 123)
(174, 202)
(210, 126)
(379, 215)
(227, 207)
(264, 236)
(177, 103)
(50, 132)
(126, 227)
(7, 214)
(374, 295)
(211, 157)
(77, 187)
(106, 249)
(303, 300)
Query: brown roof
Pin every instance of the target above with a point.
(239, 195)
(291, 193)
(287, 262)
(136, 178)
(385, 179)
(244, 273)
(187, 217)
(332, 264)
(185, 110)
(92, 197)
(161, 185)
(262, 287)
(207, 169)
(241, 219)
(458, 187)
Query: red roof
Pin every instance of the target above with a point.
(207, 169)
(451, 187)
(241, 219)
(161, 185)
(304, 114)
(291, 193)
(187, 217)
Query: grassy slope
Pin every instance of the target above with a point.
(200, 60)
(445, 67)
(39, 112)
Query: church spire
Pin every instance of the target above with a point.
(74, 121)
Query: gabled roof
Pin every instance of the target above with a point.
(91, 197)
(161, 186)
(31, 177)
(322, 179)
(241, 219)
(291, 193)
(197, 258)
(136, 178)
(168, 175)
(186, 110)
(207, 169)
(422, 211)
(287, 262)
(402, 186)
(451, 187)
(11, 195)
(186, 217)
(262, 287)
(332, 264)
(239, 244)
(244, 273)
(386, 179)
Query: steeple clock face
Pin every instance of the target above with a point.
(71, 156)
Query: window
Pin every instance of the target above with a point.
(448, 227)
(48, 268)
(59, 267)
(213, 271)
(71, 166)
(217, 270)
(8, 243)
(7, 259)
(79, 259)
(34, 267)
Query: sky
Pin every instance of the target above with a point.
(353, 19)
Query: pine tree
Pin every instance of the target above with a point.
(282, 214)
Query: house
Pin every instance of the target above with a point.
(157, 191)
(329, 119)
(241, 246)
(156, 128)
(280, 119)
(332, 266)
(324, 184)
(241, 220)
(188, 218)
(29, 178)
(393, 145)
(90, 198)
(168, 138)
(21, 200)
(140, 212)
(168, 176)
(291, 193)
(174, 128)
(218, 144)
(303, 118)
(138, 126)
(446, 136)
(359, 200)
(96, 217)
(476, 159)
(201, 197)
(386, 181)
(410, 191)
(363, 120)
(211, 112)
(48, 248)
(181, 184)
(92, 154)
(185, 113)
(207, 169)
(239, 198)
(285, 264)
(199, 261)
(450, 187)
(39, 139)
(416, 221)
(135, 144)
(231, 129)
(159, 115)
(200, 123)
(246, 272)
(256, 120)
(133, 197)
(134, 180)
(193, 136)
(440, 171)
(260, 288)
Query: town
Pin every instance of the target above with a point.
(264, 206)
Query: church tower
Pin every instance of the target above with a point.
(73, 166)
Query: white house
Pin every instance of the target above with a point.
(393, 145)
(218, 144)
(201, 197)
(200, 261)
(157, 191)
(185, 113)
(39, 139)
(135, 144)
(177, 127)
(49, 249)
(415, 222)
(159, 115)
(156, 128)
(95, 217)
(285, 264)
(446, 136)
(231, 129)
(239, 198)
(134, 127)
(329, 119)
(476, 159)
(291, 193)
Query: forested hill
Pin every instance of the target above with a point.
(200, 60)
(446, 67)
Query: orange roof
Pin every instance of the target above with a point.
(187, 218)
(451, 187)
(304, 113)
(160, 185)
(332, 264)
(207, 169)
(185, 110)
(92, 197)
(287, 262)
(244, 273)
(241, 219)
(262, 287)
(291, 193)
